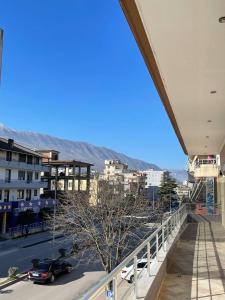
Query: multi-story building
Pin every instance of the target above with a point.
(203, 171)
(183, 192)
(20, 181)
(118, 173)
(183, 47)
(153, 181)
(114, 167)
(70, 175)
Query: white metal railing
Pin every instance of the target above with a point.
(32, 228)
(200, 162)
(14, 183)
(15, 164)
(110, 286)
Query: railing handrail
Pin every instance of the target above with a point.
(93, 291)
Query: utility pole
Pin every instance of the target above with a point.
(54, 209)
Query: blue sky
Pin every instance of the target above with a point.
(71, 68)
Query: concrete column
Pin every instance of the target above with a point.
(4, 223)
(221, 187)
(88, 177)
(74, 173)
(79, 178)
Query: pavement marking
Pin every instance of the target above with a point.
(8, 251)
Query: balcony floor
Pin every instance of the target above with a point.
(197, 267)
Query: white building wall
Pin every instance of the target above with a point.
(153, 177)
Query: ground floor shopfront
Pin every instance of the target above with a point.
(10, 212)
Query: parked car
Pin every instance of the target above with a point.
(127, 273)
(48, 269)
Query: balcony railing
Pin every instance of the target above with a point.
(157, 244)
(14, 164)
(7, 184)
(200, 162)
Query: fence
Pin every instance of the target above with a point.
(110, 287)
(32, 228)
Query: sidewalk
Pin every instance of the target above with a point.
(10, 245)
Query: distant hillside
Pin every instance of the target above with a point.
(179, 175)
(72, 149)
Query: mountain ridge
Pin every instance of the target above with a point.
(79, 150)
(69, 149)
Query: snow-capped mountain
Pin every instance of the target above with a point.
(73, 149)
(80, 151)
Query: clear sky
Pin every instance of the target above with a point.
(71, 68)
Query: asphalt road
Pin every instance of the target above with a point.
(66, 287)
(21, 257)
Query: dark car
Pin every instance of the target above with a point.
(47, 270)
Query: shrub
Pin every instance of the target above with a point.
(12, 272)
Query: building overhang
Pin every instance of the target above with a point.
(182, 43)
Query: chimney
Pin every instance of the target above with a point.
(10, 143)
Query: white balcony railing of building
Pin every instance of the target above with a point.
(15, 164)
(200, 162)
(157, 244)
(7, 184)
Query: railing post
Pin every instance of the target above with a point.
(148, 258)
(157, 245)
(114, 289)
(167, 232)
(135, 276)
(163, 238)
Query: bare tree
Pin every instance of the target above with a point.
(110, 229)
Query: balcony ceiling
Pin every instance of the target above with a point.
(183, 45)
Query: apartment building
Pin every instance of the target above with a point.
(118, 173)
(114, 167)
(70, 175)
(153, 181)
(20, 181)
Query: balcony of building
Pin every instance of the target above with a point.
(204, 167)
(184, 259)
(22, 184)
(15, 164)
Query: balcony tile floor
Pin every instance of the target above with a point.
(197, 267)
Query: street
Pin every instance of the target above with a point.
(74, 284)
(20, 252)
(69, 286)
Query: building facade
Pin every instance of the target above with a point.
(153, 181)
(20, 181)
(70, 175)
(114, 167)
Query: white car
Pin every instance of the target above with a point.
(127, 273)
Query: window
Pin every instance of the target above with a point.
(35, 193)
(54, 156)
(8, 155)
(29, 159)
(7, 175)
(22, 157)
(20, 194)
(36, 175)
(28, 195)
(29, 177)
(21, 175)
(6, 196)
(36, 160)
(142, 265)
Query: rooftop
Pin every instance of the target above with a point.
(11, 145)
(67, 163)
